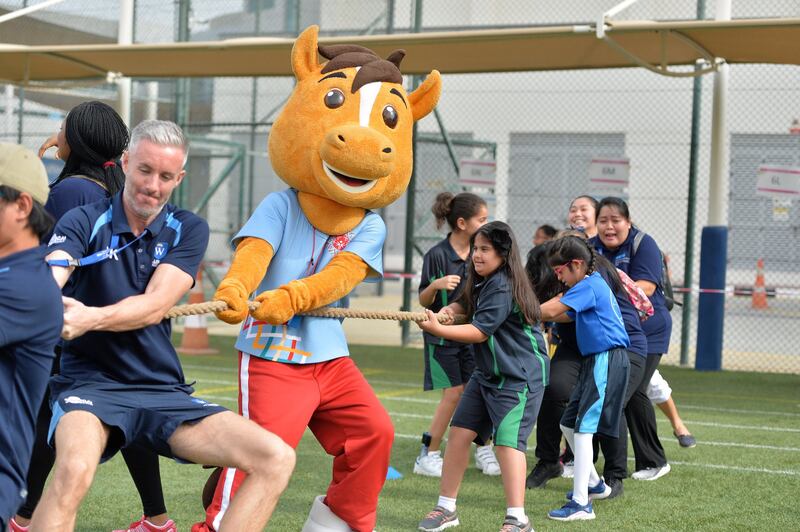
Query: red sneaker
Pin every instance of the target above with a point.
(14, 527)
(143, 525)
(201, 527)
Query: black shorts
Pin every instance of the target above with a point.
(145, 415)
(506, 415)
(597, 401)
(447, 365)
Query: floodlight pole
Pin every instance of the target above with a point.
(714, 239)
(691, 208)
(408, 256)
(125, 36)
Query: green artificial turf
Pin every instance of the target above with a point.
(742, 475)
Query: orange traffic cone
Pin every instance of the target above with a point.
(195, 329)
(759, 289)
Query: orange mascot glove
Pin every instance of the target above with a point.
(250, 263)
(336, 280)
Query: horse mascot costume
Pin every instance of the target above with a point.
(343, 144)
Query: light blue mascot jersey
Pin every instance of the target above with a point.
(301, 251)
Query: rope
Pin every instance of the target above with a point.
(325, 312)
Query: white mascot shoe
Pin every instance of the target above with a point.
(322, 519)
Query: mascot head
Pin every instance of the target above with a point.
(346, 132)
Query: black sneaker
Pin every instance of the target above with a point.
(686, 441)
(616, 487)
(543, 472)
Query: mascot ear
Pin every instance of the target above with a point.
(304, 53)
(424, 99)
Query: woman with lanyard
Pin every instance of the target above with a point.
(90, 142)
(643, 263)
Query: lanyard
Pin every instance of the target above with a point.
(110, 252)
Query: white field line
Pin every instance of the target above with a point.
(703, 443)
(659, 419)
(731, 426)
(738, 411)
(690, 464)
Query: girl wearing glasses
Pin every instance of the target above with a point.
(595, 405)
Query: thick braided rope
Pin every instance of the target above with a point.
(325, 312)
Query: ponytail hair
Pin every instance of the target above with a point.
(97, 136)
(543, 279)
(502, 239)
(449, 207)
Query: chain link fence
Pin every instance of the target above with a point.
(540, 129)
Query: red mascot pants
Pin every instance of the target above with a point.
(335, 401)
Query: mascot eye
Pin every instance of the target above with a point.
(334, 98)
(390, 116)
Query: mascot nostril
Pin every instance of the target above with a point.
(309, 246)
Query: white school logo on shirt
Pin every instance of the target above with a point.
(75, 400)
(160, 251)
(57, 239)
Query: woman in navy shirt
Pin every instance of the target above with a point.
(615, 241)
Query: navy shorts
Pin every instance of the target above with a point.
(447, 365)
(506, 415)
(144, 415)
(598, 398)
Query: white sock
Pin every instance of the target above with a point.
(585, 473)
(447, 503)
(518, 513)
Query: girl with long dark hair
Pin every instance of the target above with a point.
(503, 395)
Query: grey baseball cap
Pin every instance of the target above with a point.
(21, 169)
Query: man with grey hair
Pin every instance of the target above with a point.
(133, 257)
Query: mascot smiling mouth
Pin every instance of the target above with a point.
(347, 182)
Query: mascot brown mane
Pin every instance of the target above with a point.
(343, 144)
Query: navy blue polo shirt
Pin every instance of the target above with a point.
(631, 319)
(439, 261)
(598, 320)
(142, 356)
(64, 196)
(513, 356)
(71, 192)
(645, 265)
(31, 317)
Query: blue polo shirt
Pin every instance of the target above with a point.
(31, 317)
(439, 261)
(598, 320)
(513, 356)
(141, 356)
(644, 265)
(71, 192)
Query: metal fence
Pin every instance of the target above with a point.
(541, 129)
